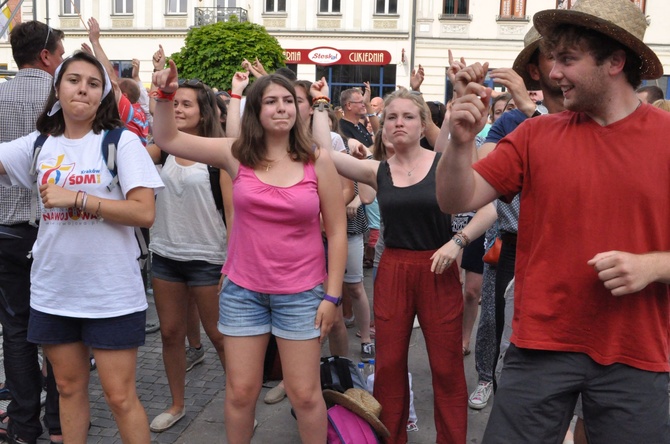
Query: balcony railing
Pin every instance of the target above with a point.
(207, 16)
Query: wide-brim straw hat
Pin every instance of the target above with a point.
(363, 404)
(531, 42)
(620, 20)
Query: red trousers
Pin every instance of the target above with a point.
(405, 286)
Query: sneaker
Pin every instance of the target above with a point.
(194, 356)
(480, 397)
(367, 351)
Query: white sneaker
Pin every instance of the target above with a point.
(480, 397)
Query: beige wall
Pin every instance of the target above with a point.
(481, 39)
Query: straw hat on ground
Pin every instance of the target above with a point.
(363, 404)
(620, 20)
(531, 42)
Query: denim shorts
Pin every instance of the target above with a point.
(192, 273)
(118, 333)
(244, 312)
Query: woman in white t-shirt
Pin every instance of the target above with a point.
(188, 242)
(86, 287)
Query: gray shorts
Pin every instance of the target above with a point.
(536, 398)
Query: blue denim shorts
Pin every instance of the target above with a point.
(244, 312)
(192, 273)
(118, 333)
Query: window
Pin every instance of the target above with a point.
(329, 6)
(340, 77)
(387, 7)
(176, 6)
(71, 7)
(275, 5)
(456, 7)
(513, 9)
(123, 6)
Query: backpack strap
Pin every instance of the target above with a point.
(344, 373)
(326, 377)
(37, 148)
(109, 143)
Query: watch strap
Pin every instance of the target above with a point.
(333, 299)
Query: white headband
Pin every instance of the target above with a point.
(108, 86)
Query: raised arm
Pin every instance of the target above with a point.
(320, 119)
(212, 151)
(459, 187)
(94, 38)
(233, 121)
(372, 116)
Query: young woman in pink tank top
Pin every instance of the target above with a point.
(276, 262)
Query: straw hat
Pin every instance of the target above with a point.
(531, 42)
(363, 404)
(620, 20)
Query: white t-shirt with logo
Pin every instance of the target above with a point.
(83, 267)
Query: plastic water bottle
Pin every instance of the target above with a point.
(361, 368)
(369, 368)
(370, 375)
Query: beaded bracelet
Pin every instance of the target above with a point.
(320, 99)
(466, 239)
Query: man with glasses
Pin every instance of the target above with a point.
(355, 107)
(37, 50)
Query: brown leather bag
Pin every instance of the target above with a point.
(491, 257)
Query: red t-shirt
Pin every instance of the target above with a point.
(587, 189)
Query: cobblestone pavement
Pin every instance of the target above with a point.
(205, 384)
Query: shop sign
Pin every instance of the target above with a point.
(331, 56)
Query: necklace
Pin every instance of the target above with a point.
(272, 163)
(409, 172)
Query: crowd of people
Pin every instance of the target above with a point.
(261, 206)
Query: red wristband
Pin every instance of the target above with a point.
(235, 96)
(160, 94)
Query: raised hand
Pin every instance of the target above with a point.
(416, 79)
(469, 112)
(167, 80)
(159, 58)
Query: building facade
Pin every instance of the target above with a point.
(346, 41)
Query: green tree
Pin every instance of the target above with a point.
(213, 53)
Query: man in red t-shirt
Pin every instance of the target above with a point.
(591, 297)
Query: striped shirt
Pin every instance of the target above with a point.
(22, 100)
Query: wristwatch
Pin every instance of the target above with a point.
(337, 301)
(458, 241)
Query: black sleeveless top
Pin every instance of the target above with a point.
(412, 218)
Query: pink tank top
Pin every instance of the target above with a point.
(275, 244)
